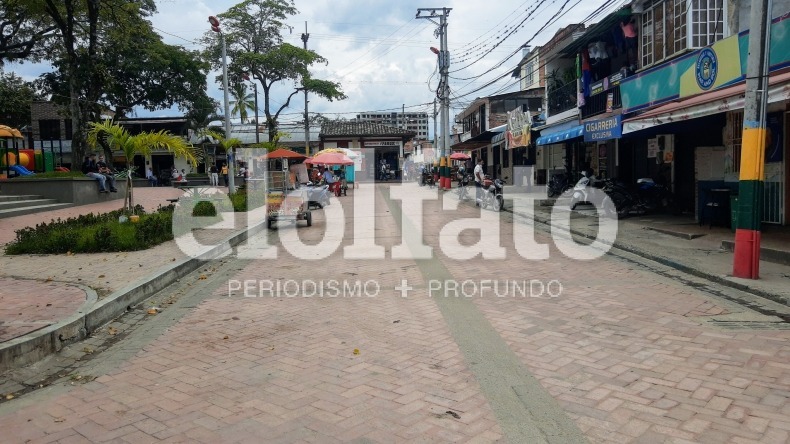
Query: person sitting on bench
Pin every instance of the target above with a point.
(89, 169)
(108, 174)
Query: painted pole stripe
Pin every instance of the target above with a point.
(750, 200)
(753, 154)
(746, 263)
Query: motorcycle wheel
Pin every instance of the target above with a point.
(498, 203)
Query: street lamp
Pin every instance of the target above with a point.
(255, 89)
(230, 156)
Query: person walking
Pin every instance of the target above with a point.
(225, 173)
(213, 177)
(479, 177)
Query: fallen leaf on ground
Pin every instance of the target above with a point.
(153, 311)
(101, 276)
(60, 419)
(356, 351)
(226, 337)
(112, 330)
(9, 396)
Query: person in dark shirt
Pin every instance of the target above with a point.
(105, 170)
(90, 169)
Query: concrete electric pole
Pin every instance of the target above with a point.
(444, 68)
(750, 189)
(306, 36)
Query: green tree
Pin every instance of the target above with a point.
(139, 70)
(242, 101)
(16, 98)
(24, 28)
(255, 46)
(81, 26)
(114, 137)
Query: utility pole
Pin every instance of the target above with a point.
(444, 87)
(306, 36)
(752, 176)
(435, 134)
(229, 151)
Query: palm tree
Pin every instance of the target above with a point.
(111, 135)
(227, 145)
(241, 101)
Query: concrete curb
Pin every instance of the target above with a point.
(721, 280)
(91, 316)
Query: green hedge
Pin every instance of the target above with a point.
(94, 233)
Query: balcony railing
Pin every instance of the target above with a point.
(562, 99)
(601, 103)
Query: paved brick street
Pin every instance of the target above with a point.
(621, 354)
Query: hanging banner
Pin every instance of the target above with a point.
(519, 129)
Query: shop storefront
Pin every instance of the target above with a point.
(558, 150)
(601, 143)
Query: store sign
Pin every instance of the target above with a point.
(603, 129)
(519, 129)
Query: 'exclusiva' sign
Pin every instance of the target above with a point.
(603, 129)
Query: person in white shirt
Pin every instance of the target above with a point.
(479, 176)
(149, 174)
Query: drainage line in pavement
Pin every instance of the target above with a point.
(526, 412)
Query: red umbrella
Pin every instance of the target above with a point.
(331, 159)
(460, 156)
(282, 153)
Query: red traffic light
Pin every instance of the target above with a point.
(213, 20)
(434, 50)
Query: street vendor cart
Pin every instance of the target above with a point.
(283, 200)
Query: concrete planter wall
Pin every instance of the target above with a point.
(74, 190)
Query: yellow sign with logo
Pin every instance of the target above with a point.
(715, 66)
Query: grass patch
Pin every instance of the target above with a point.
(53, 175)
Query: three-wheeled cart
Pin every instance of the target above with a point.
(283, 202)
(287, 205)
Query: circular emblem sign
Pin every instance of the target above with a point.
(706, 69)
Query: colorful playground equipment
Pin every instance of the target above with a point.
(18, 161)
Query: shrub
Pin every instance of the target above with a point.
(92, 233)
(204, 208)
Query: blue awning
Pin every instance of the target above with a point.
(561, 136)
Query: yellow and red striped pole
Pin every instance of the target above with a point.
(746, 262)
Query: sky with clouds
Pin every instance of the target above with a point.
(380, 52)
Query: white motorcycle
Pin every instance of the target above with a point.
(582, 191)
(492, 194)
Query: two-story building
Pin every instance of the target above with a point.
(485, 125)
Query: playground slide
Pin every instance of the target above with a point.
(22, 171)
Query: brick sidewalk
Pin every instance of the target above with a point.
(104, 272)
(27, 305)
(630, 356)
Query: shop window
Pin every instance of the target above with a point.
(733, 135)
(49, 129)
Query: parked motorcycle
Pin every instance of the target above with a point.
(492, 194)
(558, 184)
(655, 196)
(646, 197)
(582, 191)
(463, 187)
(385, 173)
